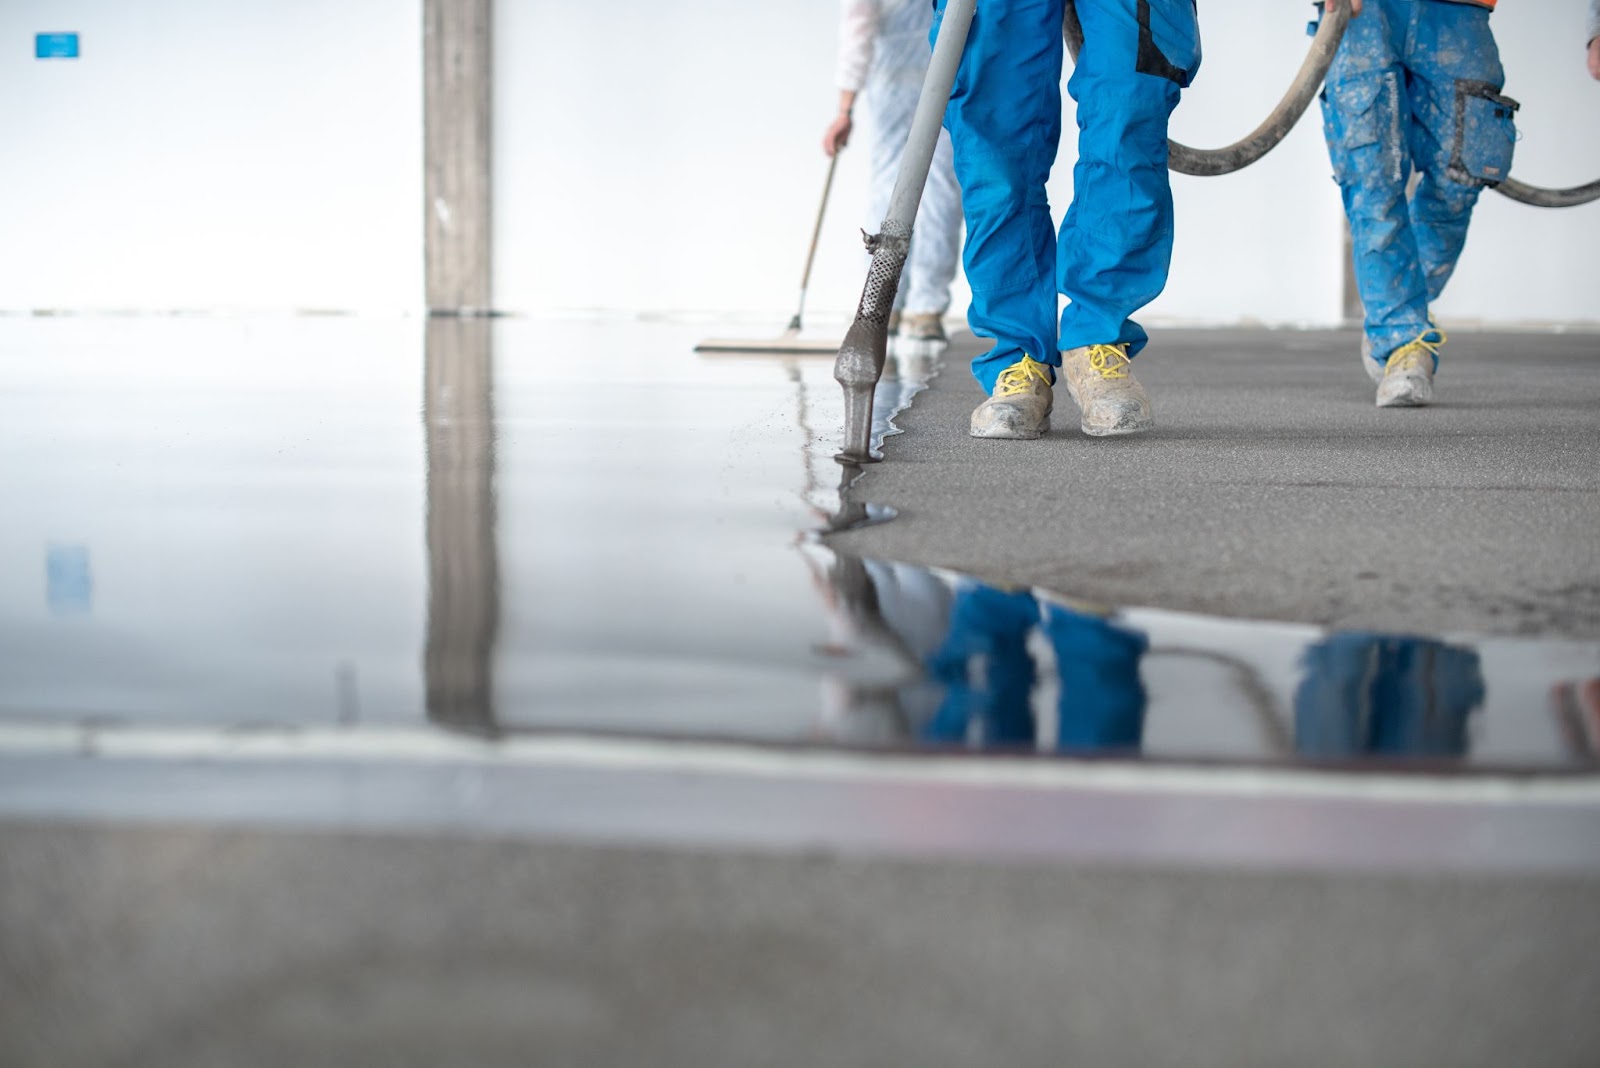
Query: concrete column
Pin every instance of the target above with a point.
(457, 80)
(463, 556)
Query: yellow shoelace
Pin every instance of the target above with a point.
(1414, 349)
(1108, 361)
(1017, 378)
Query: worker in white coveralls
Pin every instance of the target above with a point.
(883, 56)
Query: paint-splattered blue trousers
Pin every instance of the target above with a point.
(1115, 245)
(1415, 86)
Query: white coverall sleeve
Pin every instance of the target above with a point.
(858, 25)
(1594, 22)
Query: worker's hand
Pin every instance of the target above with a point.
(1594, 59)
(838, 134)
(1355, 6)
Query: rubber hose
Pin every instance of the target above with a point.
(1207, 163)
(1548, 198)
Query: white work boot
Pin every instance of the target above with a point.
(1101, 382)
(1019, 408)
(1408, 375)
(921, 335)
(922, 326)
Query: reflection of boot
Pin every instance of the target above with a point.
(1102, 699)
(1372, 694)
(986, 670)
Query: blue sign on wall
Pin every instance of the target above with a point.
(55, 46)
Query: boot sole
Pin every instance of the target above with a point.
(1411, 398)
(1003, 435)
(1406, 402)
(1116, 431)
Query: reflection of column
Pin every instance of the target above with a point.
(463, 565)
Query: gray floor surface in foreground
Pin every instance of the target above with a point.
(1273, 488)
(178, 947)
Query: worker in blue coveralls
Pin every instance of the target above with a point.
(988, 675)
(1415, 86)
(1115, 245)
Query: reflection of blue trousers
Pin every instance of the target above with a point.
(1365, 693)
(1115, 245)
(1412, 88)
(988, 675)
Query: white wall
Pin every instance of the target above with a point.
(217, 154)
(663, 157)
(650, 157)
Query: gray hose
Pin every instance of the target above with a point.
(1208, 163)
(1548, 198)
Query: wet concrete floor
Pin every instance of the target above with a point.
(502, 526)
(496, 526)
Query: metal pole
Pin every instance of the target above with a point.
(866, 344)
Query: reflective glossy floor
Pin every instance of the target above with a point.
(493, 527)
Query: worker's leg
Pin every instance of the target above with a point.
(1004, 120)
(1365, 112)
(1462, 131)
(1115, 245)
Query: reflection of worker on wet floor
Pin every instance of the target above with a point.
(989, 675)
(1371, 694)
(1594, 39)
(1415, 86)
(883, 56)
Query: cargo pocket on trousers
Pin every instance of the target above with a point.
(1361, 120)
(1485, 134)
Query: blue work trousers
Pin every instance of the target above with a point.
(1415, 86)
(1115, 245)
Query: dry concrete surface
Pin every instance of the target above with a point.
(174, 947)
(1273, 487)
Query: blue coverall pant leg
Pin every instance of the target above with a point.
(1405, 93)
(1004, 118)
